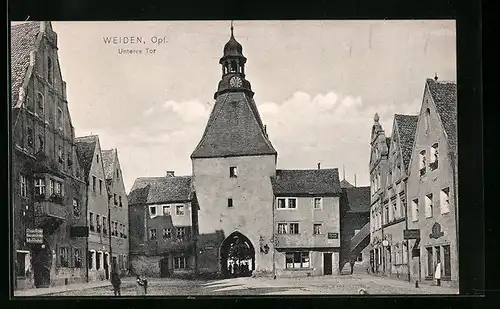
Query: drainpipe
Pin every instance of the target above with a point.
(87, 225)
(109, 233)
(274, 241)
(453, 169)
(406, 226)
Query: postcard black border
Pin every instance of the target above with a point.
(470, 118)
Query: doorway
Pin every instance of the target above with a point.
(237, 256)
(106, 265)
(327, 263)
(42, 263)
(164, 269)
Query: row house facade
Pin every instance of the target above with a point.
(432, 185)
(414, 210)
(389, 220)
(107, 243)
(48, 189)
(118, 211)
(307, 222)
(161, 216)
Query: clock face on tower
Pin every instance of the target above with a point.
(235, 81)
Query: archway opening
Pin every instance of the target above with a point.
(237, 256)
(41, 263)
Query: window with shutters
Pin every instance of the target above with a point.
(152, 234)
(445, 200)
(414, 210)
(428, 206)
(422, 163)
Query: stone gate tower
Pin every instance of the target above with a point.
(232, 167)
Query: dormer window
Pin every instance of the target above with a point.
(49, 70)
(433, 164)
(233, 172)
(39, 103)
(427, 120)
(422, 162)
(59, 118)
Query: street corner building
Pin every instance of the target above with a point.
(414, 205)
(237, 214)
(162, 212)
(48, 186)
(107, 209)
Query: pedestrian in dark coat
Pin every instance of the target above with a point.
(145, 286)
(351, 262)
(116, 282)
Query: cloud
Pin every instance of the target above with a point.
(331, 128)
(189, 111)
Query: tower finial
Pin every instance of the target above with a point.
(343, 169)
(232, 28)
(436, 76)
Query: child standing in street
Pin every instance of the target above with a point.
(140, 286)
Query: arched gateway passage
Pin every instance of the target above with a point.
(237, 256)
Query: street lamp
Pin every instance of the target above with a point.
(385, 243)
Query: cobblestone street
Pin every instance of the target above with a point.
(333, 285)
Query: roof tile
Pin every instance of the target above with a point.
(85, 148)
(310, 182)
(444, 95)
(108, 160)
(234, 128)
(23, 39)
(154, 190)
(358, 198)
(406, 126)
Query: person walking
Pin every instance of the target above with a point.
(140, 286)
(437, 273)
(351, 263)
(116, 282)
(145, 281)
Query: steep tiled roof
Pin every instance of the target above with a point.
(444, 95)
(345, 184)
(153, 190)
(314, 181)
(406, 127)
(108, 159)
(23, 39)
(85, 148)
(233, 129)
(358, 199)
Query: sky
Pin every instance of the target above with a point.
(317, 85)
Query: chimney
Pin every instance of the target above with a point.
(355, 180)
(319, 165)
(170, 174)
(436, 76)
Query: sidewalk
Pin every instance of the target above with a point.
(62, 288)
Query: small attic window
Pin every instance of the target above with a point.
(97, 157)
(49, 70)
(427, 120)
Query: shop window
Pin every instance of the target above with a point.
(297, 260)
(180, 262)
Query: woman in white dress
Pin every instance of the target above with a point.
(437, 273)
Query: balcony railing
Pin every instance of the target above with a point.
(50, 208)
